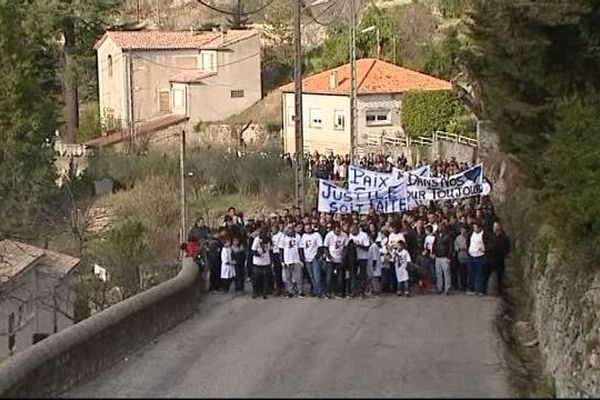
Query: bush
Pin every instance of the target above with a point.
(453, 8)
(424, 112)
(571, 181)
(90, 125)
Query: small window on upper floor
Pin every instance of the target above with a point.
(208, 60)
(110, 66)
(237, 94)
(315, 118)
(378, 117)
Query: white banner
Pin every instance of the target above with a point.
(360, 179)
(390, 199)
(464, 184)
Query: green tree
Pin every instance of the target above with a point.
(80, 23)
(526, 58)
(28, 98)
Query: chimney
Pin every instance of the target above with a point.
(333, 80)
(223, 34)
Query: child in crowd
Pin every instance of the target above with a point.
(227, 265)
(401, 260)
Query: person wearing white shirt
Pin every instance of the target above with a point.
(312, 243)
(276, 235)
(289, 248)
(358, 272)
(261, 263)
(334, 244)
(476, 263)
(386, 261)
(227, 265)
(374, 267)
(428, 253)
(401, 260)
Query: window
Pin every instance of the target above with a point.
(339, 120)
(208, 60)
(316, 118)
(378, 117)
(291, 116)
(186, 62)
(20, 320)
(178, 98)
(110, 66)
(163, 100)
(237, 94)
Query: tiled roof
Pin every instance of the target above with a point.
(191, 76)
(174, 40)
(15, 257)
(373, 76)
(145, 128)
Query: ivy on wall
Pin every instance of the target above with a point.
(424, 112)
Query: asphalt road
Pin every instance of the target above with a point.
(424, 346)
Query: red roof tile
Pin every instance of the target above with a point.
(373, 76)
(173, 40)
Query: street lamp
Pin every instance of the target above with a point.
(376, 29)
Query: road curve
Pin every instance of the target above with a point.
(424, 346)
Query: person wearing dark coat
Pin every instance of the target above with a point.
(498, 249)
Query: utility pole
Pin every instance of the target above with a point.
(299, 170)
(138, 10)
(353, 94)
(131, 108)
(182, 189)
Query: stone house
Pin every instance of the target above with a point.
(146, 76)
(36, 294)
(326, 104)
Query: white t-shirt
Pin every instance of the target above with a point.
(395, 238)
(477, 247)
(336, 245)
(375, 259)
(311, 243)
(291, 248)
(275, 239)
(361, 239)
(402, 260)
(265, 257)
(428, 244)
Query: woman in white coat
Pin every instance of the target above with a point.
(227, 265)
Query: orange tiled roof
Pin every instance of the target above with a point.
(373, 76)
(173, 40)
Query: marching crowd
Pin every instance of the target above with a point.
(440, 248)
(335, 167)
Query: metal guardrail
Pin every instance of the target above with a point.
(376, 139)
(70, 149)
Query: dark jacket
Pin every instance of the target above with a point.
(498, 246)
(442, 247)
(350, 257)
(199, 233)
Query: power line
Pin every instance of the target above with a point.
(245, 13)
(316, 19)
(195, 69)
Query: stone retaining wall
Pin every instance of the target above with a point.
(80, 352)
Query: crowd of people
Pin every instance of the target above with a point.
(440, 248)
(335, 167)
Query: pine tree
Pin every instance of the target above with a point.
(28, 96)
(80, 22)
(526, 57)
